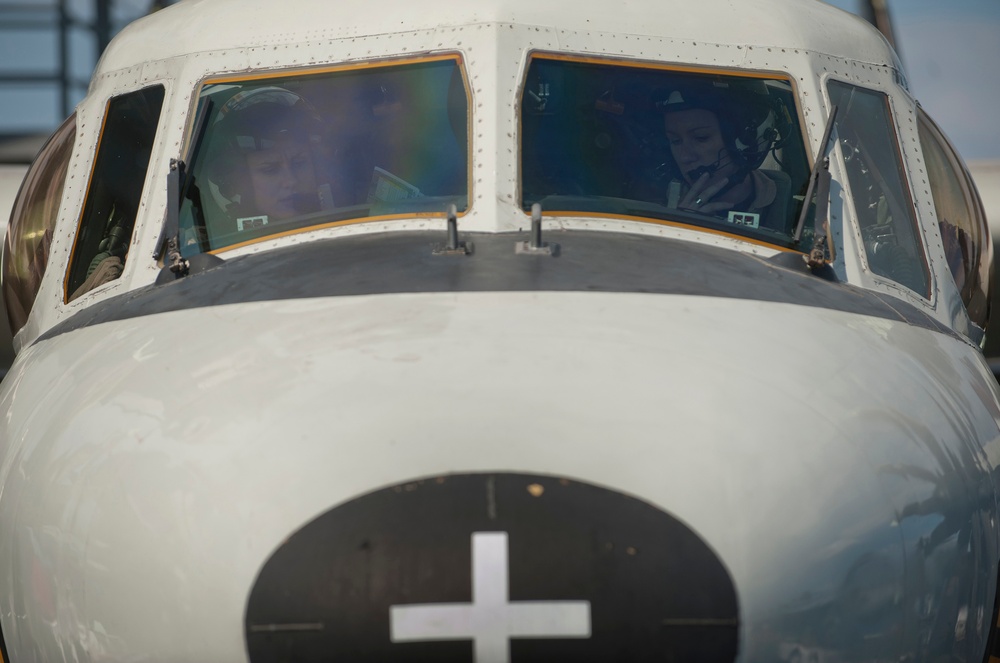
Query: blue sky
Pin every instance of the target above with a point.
(951, 53)
(950, 50)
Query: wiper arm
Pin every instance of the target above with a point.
(819, 184)
(180, 187)
(817, 255)
(168, 240)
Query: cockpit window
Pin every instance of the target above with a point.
(108, 218)
(721, 151)
(32, 221)
(961, 218)
(313, 149)
(878, 187)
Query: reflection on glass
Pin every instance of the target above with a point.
(26, 251)
(115, 190)
(964, 232)
(878, 186)
(724, 152)
(316, 148)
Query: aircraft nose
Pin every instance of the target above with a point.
(512, 566)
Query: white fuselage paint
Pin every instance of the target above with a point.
(151, 466)
(172, 472)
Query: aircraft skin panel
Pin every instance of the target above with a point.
(656, 433)
(214, 25)
(495, 175)
(190, 460)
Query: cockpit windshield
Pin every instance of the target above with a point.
(719, 151)
(279, 154)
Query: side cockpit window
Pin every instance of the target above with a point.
(115, 190)
(719, 150)
(26, 249)
(314, 149)
(961, 218)
(878, 187)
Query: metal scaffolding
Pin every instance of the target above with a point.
(53, 16)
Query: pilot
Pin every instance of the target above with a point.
(718, 172)
(265, 145)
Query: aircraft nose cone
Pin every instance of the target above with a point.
(493, 568)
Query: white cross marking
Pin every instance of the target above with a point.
(490, 621)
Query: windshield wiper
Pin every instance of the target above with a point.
(819, 185)
(181, 186)
(168, 241)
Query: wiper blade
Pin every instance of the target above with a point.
(819, 185)
(171, 227)
(180, 187)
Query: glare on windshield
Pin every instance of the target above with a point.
(721, 151)
(286, 153)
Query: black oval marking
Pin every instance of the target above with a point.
(656, 591)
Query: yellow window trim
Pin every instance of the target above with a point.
(672, 224)
(349, 66)
(331, 224)
(83, 207)
(661, 66)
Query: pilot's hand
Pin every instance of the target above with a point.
(699, 196)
